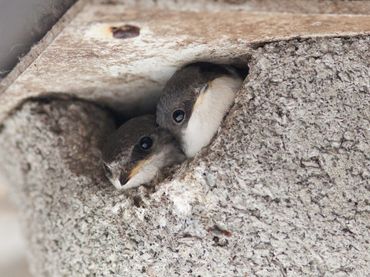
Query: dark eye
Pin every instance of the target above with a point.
(178, 116)
(146, 143)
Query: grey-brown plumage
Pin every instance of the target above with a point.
(135, 153)
(194, 102)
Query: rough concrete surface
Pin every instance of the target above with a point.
(284, 6)
(283, 190)
(86, 60)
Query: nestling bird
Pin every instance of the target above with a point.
(136, 152)
(194, 102)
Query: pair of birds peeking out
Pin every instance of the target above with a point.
(188, 115)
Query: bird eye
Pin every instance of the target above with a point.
(178, 116)
(146, 143)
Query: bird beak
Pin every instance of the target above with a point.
(116, 183)
(136, 169)
(129, 176)
(200, 98)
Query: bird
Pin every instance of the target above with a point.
(137, 151)
(195, 101)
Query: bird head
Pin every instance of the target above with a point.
(183, 96)
(136, 152)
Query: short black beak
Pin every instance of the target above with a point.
(124, 178)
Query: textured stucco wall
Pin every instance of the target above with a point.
(283, 190)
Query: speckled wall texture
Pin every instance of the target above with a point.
(283, 190)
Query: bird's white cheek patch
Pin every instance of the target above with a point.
(208, 113)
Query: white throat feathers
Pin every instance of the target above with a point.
(208, 112)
